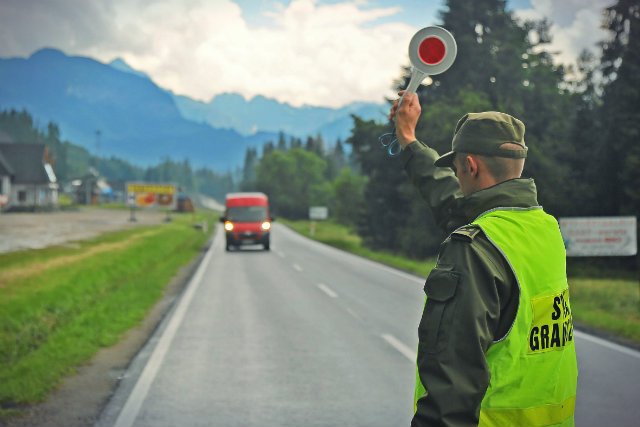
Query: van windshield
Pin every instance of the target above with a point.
(247, 214)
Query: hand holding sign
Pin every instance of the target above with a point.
(432, 51)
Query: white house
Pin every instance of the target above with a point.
(27, 180)
(5, 181)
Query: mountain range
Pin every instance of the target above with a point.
(124, 113)
(265, 114)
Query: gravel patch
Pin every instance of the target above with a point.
(28, 230)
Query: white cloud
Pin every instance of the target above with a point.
(575, 25)
(306, 52)
(310, 53)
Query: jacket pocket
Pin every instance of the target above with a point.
(440, 289)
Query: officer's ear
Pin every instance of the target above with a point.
(471, 164)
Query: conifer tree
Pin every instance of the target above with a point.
(249, 169)
(621, 110)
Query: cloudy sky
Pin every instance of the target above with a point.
(314, 52)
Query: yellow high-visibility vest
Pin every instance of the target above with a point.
(533, 369)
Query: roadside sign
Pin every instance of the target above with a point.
(600, 236)
(318, 213)
(141, 194)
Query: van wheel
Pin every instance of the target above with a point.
(227, 247)
(266, 246)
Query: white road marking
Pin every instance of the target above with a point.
(135, 400)
(280, 254)
(400, 346)
(354, 314)
(297, 267)
(327, 290)
(335, 252)
(608, 344)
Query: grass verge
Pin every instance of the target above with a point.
(59, 305)
(608, 305)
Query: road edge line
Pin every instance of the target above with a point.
(134, 402)
(401, 347)
(606, 343)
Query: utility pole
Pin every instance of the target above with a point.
(98, 133)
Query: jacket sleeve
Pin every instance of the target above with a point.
(465, 293)
(437, 186)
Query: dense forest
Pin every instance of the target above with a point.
(582, 129)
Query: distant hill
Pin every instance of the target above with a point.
(138, 121)
(119, 64)
(261, 114)
(144, 123)
(264, 114)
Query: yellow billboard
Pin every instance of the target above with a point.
(143, 194)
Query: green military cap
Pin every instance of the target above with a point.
(484, 133)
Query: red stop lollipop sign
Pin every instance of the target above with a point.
(432, 50)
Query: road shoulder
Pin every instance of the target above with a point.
(81, 397)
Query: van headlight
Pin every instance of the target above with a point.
(266, 226)
(228, 226)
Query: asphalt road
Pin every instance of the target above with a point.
(306, 335)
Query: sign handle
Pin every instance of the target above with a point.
(416, 79)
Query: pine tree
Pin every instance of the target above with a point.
(490, 52)
(249, 169)
(282, 143)
(336, 160)
(267, 148)
(503, 61)
(621, 110)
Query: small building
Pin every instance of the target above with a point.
(27, 180)
(6, 172)
(91, 189)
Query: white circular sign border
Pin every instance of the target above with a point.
(451, 50)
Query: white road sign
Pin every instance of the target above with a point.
(317, 213)
(600, 236)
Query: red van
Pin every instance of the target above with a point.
(247, 220)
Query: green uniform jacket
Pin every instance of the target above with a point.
(485, 303)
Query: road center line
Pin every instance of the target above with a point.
(354, 314)
(400, 346)
(327, 290)
(608, 344)
(340, 254)
(297, 267)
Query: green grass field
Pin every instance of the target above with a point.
(59, 305)
(611, 305)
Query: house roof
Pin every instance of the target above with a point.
(26, 162)
(5, 168)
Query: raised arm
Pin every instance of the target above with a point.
(437, 186)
